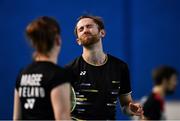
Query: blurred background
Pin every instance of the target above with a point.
(143, 33)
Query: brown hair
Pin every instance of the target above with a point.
(98, 20)
(42, 32)
(161, 73)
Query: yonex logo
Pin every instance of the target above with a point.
(29, 104)
(83, 73)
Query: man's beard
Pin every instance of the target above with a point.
(169, 92)
(88, 39)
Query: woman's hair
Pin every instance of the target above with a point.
(42, 32)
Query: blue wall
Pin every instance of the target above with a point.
(143, 33)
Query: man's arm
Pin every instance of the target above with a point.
(129, 107)
(127, 104)
(60, 98)
(17, 106)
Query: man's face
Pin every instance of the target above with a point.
(171, 84)
(88, 32)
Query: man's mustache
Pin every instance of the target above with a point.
(87, 33)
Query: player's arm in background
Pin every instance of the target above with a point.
(60, 98)
(17, 106)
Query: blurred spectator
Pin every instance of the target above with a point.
(165, 82)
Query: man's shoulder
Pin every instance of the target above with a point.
(116, 60)
(153, 99)
(73, 63)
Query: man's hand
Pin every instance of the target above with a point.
(130, 108)
(136, 109)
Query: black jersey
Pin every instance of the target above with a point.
(97, 87)
(34, 85)
(154, 107)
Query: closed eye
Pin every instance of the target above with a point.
(81, 29)
(89, 26)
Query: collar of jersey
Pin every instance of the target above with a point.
(105, 61)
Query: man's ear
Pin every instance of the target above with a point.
(102, 33)
(58, 40)
(78, 41)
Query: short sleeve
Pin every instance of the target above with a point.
(125, 84)
(59, 79)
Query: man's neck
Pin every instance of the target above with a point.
(94, 55)
(159, 90)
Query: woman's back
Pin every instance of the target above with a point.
(34, 85)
